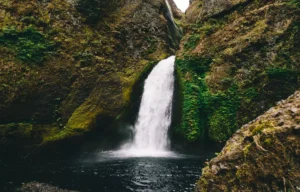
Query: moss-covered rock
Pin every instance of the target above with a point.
(15, 137)
(203, 9)
(251, 56)
(35, 186)
(263, 155)
(29, 45)
(72, 65)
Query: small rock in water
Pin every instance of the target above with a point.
(41, 187)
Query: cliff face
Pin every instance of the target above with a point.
(236, 60)
(66, 67)
(263, 155)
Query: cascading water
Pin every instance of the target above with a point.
(154, 117)
(174, 31)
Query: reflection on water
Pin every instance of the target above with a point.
(123, 154)
(172, 173)
(105, 172)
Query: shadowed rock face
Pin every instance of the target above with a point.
(236, 64)
(264, 155)
(237, 59)
(203, 9)
(64, 76)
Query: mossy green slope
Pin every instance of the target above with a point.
(236, 63)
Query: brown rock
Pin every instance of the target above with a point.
(272, 151)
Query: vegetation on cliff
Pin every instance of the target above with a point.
(95, 10)
(263, 155)
(29, 45)
(234, 63)
(68, 66)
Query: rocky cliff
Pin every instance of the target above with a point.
(68, 67)
(236, 60)
(264, 155)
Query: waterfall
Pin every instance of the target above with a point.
(154, 116)
(170, 10)
(174, 31)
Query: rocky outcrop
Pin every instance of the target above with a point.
(200, 10)
(264, 155)
(41, 187)
(68, 69)
(236, 60)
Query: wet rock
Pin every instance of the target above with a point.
(41, 187)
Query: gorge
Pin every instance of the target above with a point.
(88, 102)
(144, 163)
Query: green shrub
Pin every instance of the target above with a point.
(201, 30)
(192, 126)
(197, 65)
(192, 41)
(294, 4)
(222, 111)
(211, 26)
(206, 115)
(281, 74)
(30, 46)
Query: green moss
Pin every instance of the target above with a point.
(294, 4)
(132, 94)
(192, 41)
(268, 141)
(201, 30)
(30, 46)
(249, 94)
(211, 26)
(84, 117)
(194, 64)
(246, 149)
(205, 113)
(258, 128)
(216, 114)
(225, 103)
(135, 80)
(85, 58)
(190, 73)
(281, 74)
(153, 45)
(244, 173)
(222, 109)
(58, 135)
(18, 130)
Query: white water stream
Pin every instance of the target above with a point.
(154, 117)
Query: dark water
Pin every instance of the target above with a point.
(94, 173)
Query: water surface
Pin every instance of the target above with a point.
(102, 172)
